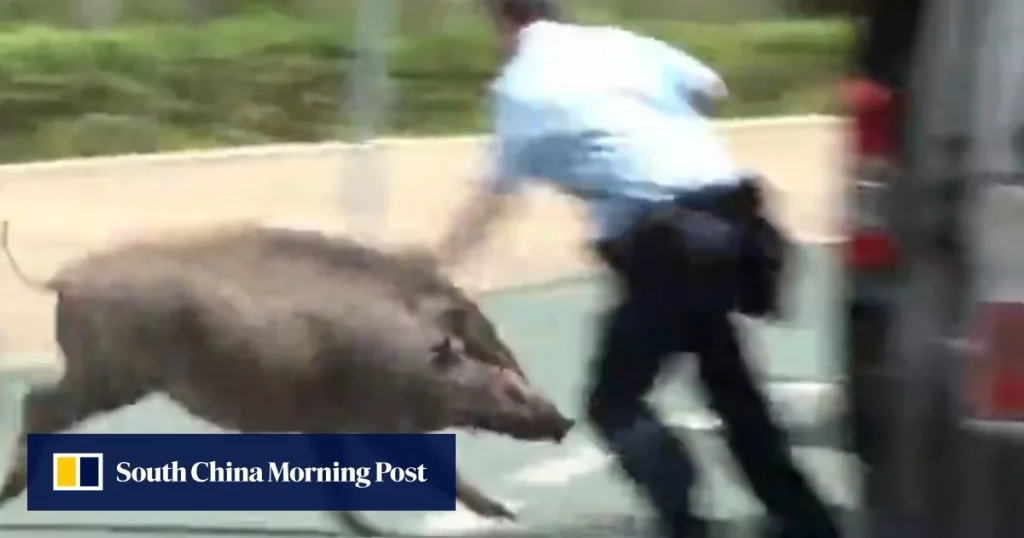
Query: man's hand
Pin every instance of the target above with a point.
(470, 226)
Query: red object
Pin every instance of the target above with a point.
(868, 250)
(861, 93)
(875, 111)
(996, 368)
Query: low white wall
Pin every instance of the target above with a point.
(58, 209)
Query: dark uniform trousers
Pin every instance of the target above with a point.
(682, 269)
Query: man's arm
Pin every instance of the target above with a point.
(697, 82)
(471, 225)
(491, 199)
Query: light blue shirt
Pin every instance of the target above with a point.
(604, 114)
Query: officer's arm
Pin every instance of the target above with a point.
(697, 83)
(491, 199)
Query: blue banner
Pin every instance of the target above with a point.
(250, 472)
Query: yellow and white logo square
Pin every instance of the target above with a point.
(77, 472)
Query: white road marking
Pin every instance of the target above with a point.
(462, 521)
(562, 470)
(701, 420)
(797, 401)
(800, 403)
(588, 458)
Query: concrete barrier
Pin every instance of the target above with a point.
(60, 209)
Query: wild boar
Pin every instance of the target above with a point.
(415, 276)
(267, 330)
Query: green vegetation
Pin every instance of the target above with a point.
(265, 78)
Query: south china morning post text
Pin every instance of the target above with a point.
(274, 471)
(241, 472)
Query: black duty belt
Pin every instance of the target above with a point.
(764, 252)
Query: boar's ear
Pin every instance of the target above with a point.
(445, 354)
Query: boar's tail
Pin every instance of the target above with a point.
(34, 283)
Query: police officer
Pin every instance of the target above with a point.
(607, 116)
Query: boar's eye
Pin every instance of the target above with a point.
(446, 353)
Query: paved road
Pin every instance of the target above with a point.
(559, 489)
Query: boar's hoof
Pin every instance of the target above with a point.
(497, 510)
(355, 522)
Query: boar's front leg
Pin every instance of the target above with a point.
(355, 522)
(478, 502)
(55, 409)
(466, 493)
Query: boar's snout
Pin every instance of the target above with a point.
(561, 427)
(519, 411)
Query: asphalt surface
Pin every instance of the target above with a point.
(557, 490)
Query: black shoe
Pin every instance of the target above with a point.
(774, 529)
(685, 526)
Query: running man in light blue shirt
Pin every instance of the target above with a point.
(609, 117)
(604, 114)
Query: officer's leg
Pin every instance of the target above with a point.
(636, 340)
(758, 444)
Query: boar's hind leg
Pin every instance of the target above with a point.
(53, 409)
